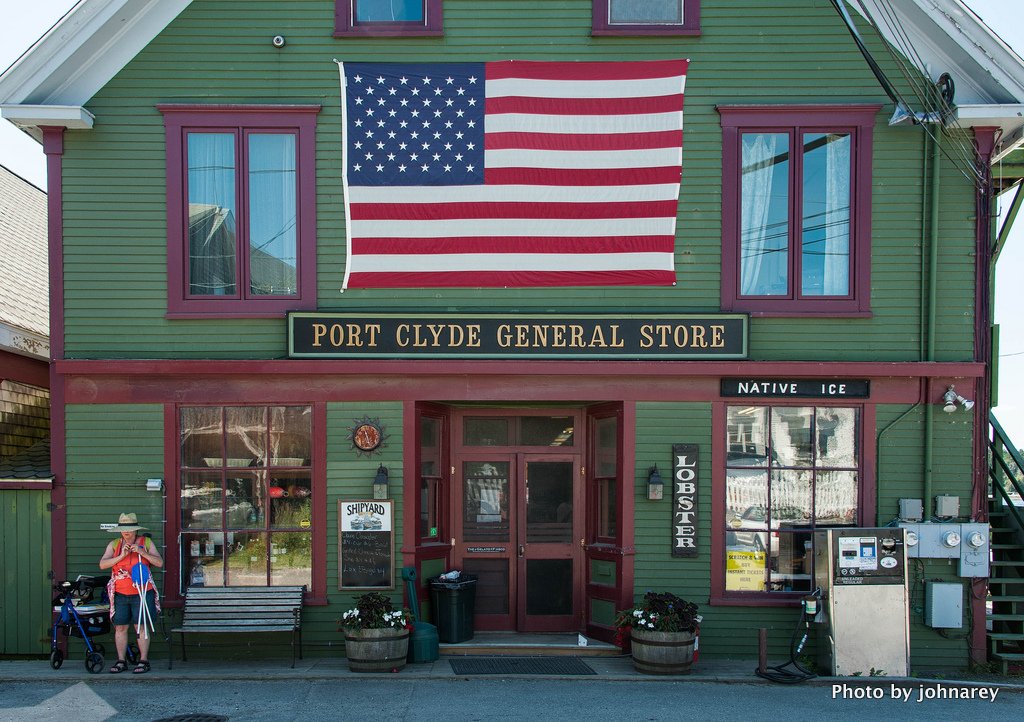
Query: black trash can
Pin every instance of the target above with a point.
(453, 603)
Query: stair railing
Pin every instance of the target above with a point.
(997, 445)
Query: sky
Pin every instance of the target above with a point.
(25, 22)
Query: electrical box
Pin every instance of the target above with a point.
(911, 510)
(947, 506)
(944, 605)
(938, 541)
(865, 604)
(974, 550)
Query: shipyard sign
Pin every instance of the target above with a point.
(496, 336)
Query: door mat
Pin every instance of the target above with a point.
(520, 665)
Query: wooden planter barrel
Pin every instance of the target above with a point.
(662, 652)
(376, 650)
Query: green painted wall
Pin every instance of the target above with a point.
(113, 449)
(25, 619)
(750, 52)
(731, 631)
(794, 51)
(350, 476)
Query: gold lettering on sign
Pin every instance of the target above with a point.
(353, 335)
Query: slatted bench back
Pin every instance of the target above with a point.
(242, 609)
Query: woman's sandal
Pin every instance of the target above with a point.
(141, 668)
(119, 666)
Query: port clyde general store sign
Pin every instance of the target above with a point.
(657, 336)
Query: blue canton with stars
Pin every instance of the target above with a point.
(415, 125)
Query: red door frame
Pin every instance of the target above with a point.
(573, 549)
(517, 456)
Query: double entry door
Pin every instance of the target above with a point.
(519, 526)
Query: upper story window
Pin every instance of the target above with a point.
(796, 205)
(646, 17)
(388, 17)
(241, 217)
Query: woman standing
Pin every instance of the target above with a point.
(120, 557)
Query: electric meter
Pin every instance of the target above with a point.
(951, 539)
(976, 539)
(910, 538)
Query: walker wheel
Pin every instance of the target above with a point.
(94, 663)
(56, 658)
(132, 654)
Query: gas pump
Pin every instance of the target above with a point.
(865, 609)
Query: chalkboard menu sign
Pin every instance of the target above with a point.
(366, 542)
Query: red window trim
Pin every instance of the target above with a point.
(317, 596)
(601, 26)
(867, 505)
(179, 119)
(345, 24)
(856, 119)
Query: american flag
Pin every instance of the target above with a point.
(512, 173)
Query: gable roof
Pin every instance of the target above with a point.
(54, 79)
(24, 279)
(51, 83)
(946, 37)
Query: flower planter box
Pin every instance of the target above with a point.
(663, 652)
(376, 650)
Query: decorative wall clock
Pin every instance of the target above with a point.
(367, 435)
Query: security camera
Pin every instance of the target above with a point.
(278, 41)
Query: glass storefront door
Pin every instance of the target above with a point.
(519, 523)
(548, 551)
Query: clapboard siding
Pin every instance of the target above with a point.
(732, 631)
(111, 451)
(726, 631)
(749, 52)
(350, 476)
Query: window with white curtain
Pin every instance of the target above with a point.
(241, 209)
(796, 208)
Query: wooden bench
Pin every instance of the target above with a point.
(242, 610)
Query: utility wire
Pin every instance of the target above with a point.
(930, 99)
(927, 94)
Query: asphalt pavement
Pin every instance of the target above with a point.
(324, 688)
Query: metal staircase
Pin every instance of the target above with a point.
(1006, 521)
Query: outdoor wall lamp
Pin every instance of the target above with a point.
(655, 486)
(950, 399)
(380, 483)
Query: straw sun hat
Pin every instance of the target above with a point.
(126, 522)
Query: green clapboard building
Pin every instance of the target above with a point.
(584, 298)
